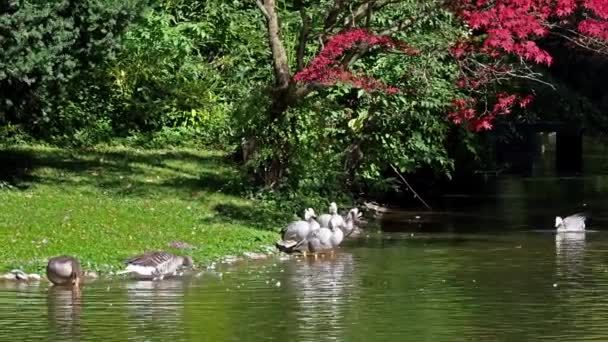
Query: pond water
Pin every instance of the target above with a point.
(513, 286)
(486, 267)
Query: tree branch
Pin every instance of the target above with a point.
(302, 39)
(410, 187)
(332, 15)
(365, 8)
(261, 6)
(279, 56)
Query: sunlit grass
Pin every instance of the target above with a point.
(107, 204)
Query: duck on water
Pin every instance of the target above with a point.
(156, 265)
(571, 224)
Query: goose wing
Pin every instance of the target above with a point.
(576, 221)
(150, 259)
(297, 230)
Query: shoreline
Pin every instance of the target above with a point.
(104, 205)
(88, 275)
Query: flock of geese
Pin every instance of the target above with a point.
(311, 235)
(318, 236)
(304, 236)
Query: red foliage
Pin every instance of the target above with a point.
(464, 110)
(512, 27)
(327, 68)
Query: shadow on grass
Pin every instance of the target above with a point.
(126, 172)
(259, 217)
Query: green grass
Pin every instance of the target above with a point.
(106, 204)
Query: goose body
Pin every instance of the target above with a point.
(347, 224)
(64, 270)
(337, 235)
(333, 214)
(156, 265)
(297, 231)
(572, 223)
(319, 240)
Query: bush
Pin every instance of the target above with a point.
(47, 47)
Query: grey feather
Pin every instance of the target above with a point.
(161, 263)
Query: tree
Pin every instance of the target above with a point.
(395, 52)
(506, 44)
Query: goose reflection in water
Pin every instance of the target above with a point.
(570, 253)
(322, 287)
(156, 305)
(64, 307)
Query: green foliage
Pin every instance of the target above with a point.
(182, 73)
(47, 45)
(341, 139)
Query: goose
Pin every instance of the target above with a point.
(333, 213)
(325, 239)
(64, 270)
(347, 224)
(319, 240)
(156, 265)
(572, 223)
(297, 231)
(337, 234)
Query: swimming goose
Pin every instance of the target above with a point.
(297, 231)
(572, 223)
(156, 265)
(64, 270)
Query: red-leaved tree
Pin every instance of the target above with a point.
(509, 48)
(503, 45)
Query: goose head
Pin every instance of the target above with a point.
(333, 208)
(354, 214)
(558, 221)
(187, 261)
(309, 214)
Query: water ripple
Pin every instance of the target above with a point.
(518, 286)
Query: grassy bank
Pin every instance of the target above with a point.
(106, 204)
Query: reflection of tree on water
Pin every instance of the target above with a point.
(570, 253)
(322, 289)
(156, 306)
(64, 307)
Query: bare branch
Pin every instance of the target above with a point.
(350, 17)
(366, 8)
(397, 27)
(410, 187)
(261, 6)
